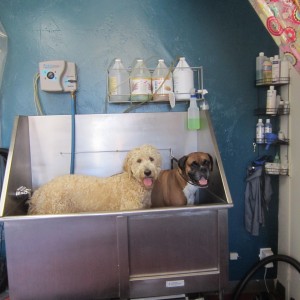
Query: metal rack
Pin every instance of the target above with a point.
(282, 83)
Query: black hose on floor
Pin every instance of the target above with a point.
(263, 262)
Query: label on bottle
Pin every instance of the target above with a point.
(113, 85)
(140, 86)
(162, 86)
(267, 71)
(260, 134)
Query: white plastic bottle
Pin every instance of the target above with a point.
(193, 113)
(140, 82)
(276, 69)
(284, 70)
(118, 82)
(286, 107)
(260, 132)
(162, 82)
(259, 67)
(268, 128)
(271, 101)
(267, 71)
(183, 77)
(280, 109)
(284, 166)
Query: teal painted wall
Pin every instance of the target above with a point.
(222, 36)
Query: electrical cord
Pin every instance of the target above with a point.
(37, 102)
(262, 263)
(73, 138)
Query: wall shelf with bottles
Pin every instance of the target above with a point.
(127, 98)
(279, 116)
(268, 82)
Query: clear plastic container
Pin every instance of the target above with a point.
(162, 82)
(140, 82)
(259, 66)
(118, 82)
(260, 132)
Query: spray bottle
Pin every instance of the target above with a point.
(193, 112)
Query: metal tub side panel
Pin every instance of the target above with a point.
(18, 169)
(177, 253)
(62, 258)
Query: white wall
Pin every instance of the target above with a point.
(289, 195)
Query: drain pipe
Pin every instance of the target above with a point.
(262, 263)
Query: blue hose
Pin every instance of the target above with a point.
(73, 111)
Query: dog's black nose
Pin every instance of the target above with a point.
(147, 172)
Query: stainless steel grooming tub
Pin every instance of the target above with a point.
(128, 254)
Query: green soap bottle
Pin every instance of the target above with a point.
(193, 114)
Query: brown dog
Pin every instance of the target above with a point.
(177, 187)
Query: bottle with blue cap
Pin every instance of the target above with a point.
(193, 112)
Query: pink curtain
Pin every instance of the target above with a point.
(282, 20)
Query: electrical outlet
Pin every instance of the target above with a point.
(234, 256)
(265, 252)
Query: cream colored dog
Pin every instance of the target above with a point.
(128, 190)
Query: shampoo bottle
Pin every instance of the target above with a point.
(140, 82)
(193, 113)
(118, 82)
(267, 71)
(162, 82)
(271, 101)
(259, 67)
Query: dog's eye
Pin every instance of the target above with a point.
(194, 164)
(206, 162)
(151, 158)
(139, 161)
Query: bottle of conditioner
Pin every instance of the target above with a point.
(183, 77)
(162, 83)
(140, 82)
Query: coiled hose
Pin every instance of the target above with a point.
(263, 262)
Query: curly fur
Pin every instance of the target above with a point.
(128, 190)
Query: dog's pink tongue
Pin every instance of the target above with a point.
(202, 181)
(148, 182)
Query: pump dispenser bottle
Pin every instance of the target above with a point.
(193, 113)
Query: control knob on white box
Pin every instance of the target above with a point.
(58, 76)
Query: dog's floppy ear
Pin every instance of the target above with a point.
(126, 163)
(182, 161)
(211, 161)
